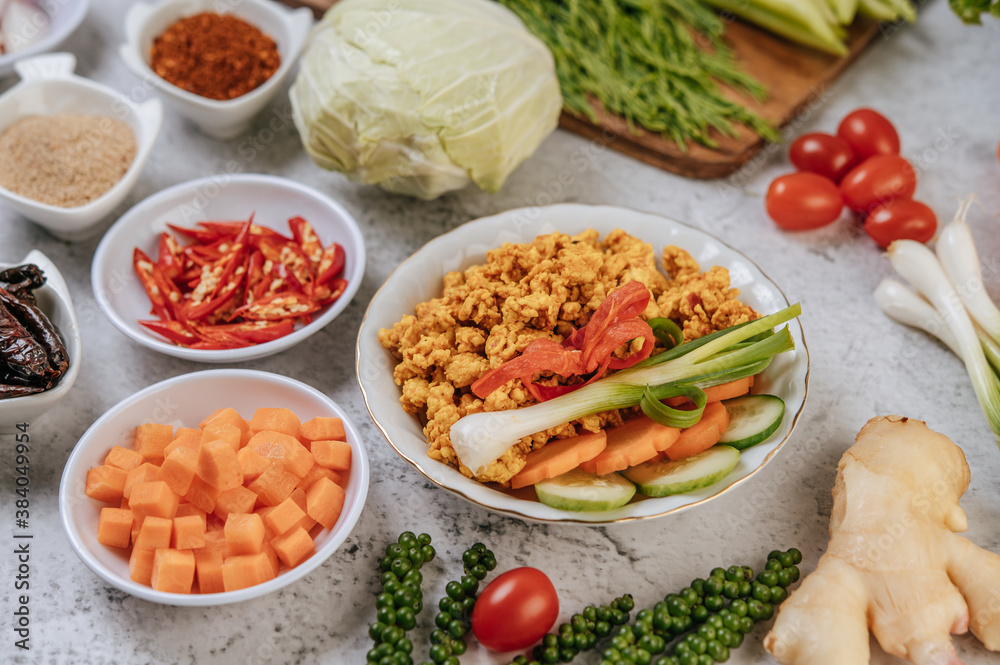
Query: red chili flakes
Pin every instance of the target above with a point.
(218, 56)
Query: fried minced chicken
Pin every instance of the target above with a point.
(545, 288)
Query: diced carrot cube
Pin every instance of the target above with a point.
(324, 501)
(283, 448)
(208, 568)
(187, 509)
(114, 527)
(124, 503)
(229, 416)
(272, 557)
(323, 428)
(185, 437)
(202, 495)
(242, 571)
(153, 498)
(178, 469)
(140, 474)
(134, 533)
(237, 500)
(252, 463)
(274, 485)
(215, 541)
(218, 466)
(277, 420)
(154, 533)
(334, 455)
(189, 532)
(315, 473)
(125, 459)
(106, 483)
(283, 517)
(173, 570)
(294, 547)
(140, 566)
(222, 432)
(151, 439)
(298, 495)
(208, 419)
(244, 533)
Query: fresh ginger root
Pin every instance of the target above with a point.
(894, 563)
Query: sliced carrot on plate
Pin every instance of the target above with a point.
(557, 457)
(636, 441)
(697, 438)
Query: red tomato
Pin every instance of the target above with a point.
(515, 610)
(822, 154)
(868, 133)
(899, 219)
(877, 180)
(803, 201)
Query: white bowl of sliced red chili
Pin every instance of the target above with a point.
(198, 79)
(420, 279)
(228, 268)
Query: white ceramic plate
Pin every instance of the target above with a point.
(184, 401)
(53, 299)
(419, 279)
(271, 199)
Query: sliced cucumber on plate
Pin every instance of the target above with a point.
(582, 491)
(664, 477)
(752, 419)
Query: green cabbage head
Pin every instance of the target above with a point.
(422, 96)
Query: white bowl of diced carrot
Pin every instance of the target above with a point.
(214, 487)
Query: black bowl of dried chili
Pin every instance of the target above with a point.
(40, 334)
(216, 69)
(228, 268)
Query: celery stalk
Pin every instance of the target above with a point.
(804, 21)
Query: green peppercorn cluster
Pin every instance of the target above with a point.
(400, 600)
(581, 633)
(706, 619)
(455, 608)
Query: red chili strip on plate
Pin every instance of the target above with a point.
(587, 351)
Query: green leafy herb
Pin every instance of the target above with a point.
(971, 11)
(657, 63)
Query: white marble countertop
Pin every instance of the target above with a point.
(936, 80)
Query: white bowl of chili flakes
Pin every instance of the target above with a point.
(222, 200)
(219, 118)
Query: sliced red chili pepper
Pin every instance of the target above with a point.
(256, 332)
(255, 276)
(173, 299)
(293, 258)
(224, 228)
(258, 233)
(331, 263)
(221, 344)
(305, 235)
(587, 351)
(279, 306)
(219, 280)
(198, 235)
(170, 258)
(328, 293)
(144, 269)
(174, 331)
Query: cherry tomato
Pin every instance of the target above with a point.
(899, 219)
(822, 154)
(803, 201)
(515, 610)
(877, 180)
(868, 133)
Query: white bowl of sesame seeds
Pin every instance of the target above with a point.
(271, 201)
(50, 91)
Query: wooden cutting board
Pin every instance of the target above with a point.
(796, 78)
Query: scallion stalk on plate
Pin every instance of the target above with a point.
(723, 356)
